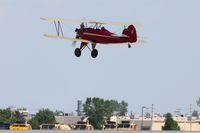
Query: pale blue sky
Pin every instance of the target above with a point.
(36, 72)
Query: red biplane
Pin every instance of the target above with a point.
(95, 34)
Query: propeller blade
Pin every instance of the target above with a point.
(74, 43)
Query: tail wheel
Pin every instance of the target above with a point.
(94, 53)
(77, 52)
(129, 46)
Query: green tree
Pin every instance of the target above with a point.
(198, 102)
(109, 108)
(123, 108)
(5, 116)
(97, 110)
(16, 120)
(120, 108)
(8, 116)
(17, 117)
(195, 113)
(43, 116)
(170, 124)
(6, 113)
(94, 109)
(34, 123)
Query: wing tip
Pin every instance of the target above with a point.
(42, 18)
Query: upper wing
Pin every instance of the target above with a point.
(111, 23)
(68, 38)
(64, 20)
(87, 21)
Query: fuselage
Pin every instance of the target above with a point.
(102, 36)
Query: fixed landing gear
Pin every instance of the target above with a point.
(129, 46)
(94, 53)
(77, 52)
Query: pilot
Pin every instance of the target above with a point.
(103, 28)
(82, 26)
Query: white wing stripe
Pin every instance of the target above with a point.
(67, 38)
(107, 36)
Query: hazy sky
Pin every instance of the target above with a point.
(37, 72)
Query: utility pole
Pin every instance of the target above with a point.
(142, 122)
(190, 117)
(142, 118)
(152, 116)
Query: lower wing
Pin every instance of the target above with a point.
(68, 38)
(139, 40)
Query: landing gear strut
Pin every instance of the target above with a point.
(94, 52)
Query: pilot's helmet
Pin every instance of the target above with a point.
(82, 25)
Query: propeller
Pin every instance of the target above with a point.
(74, 44)
(77, 36)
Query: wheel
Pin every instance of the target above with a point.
(77, 52)
(94, 53)
(129, 46)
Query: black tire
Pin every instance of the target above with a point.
(129, 46)
(77, 52)
(94, 53)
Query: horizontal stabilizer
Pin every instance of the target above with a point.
(140, 41)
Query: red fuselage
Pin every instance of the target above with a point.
(105, 37)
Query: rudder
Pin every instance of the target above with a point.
(131, 32)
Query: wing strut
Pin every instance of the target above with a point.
(58, 28)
